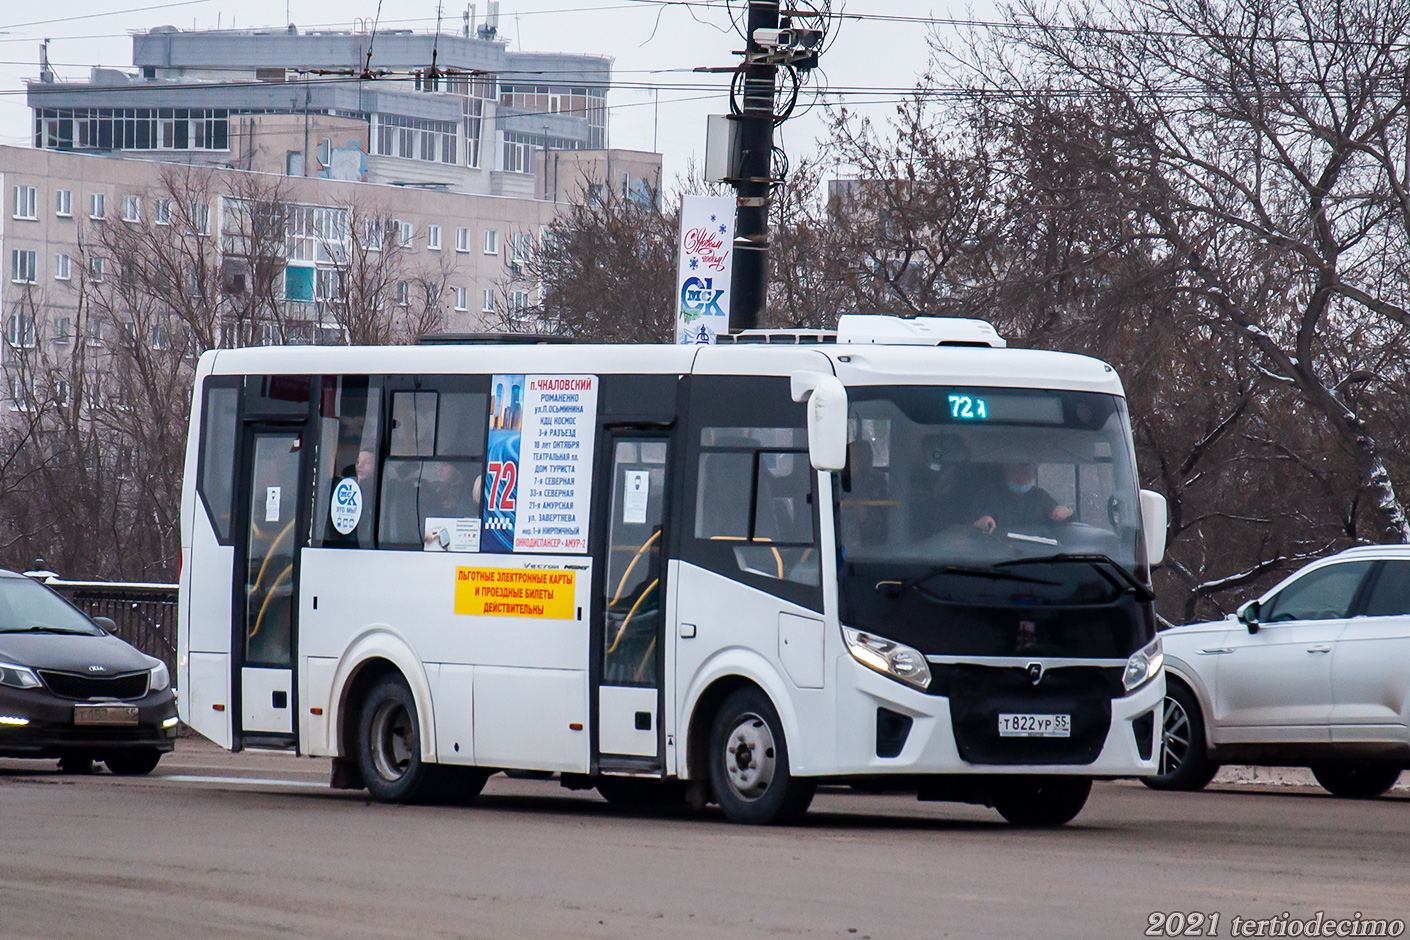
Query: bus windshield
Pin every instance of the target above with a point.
(989, 499)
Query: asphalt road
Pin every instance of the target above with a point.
(254, 845)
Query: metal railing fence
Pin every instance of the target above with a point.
(144, 614)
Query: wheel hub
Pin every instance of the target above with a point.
(393, 742)
(750, 757)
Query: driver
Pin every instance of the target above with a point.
(1018, 501)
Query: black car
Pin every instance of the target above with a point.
(71, 690)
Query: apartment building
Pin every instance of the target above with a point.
(458, 111)
(62, 210)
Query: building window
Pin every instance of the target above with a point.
(416, 138)
(372, 230)
(21, 391)
(518, 154)
(132, 208)
(487, 301)
(403, 293)
(462, 301)
(462, 240)
(62, 327)
(24, 268)
(63, 267)
(519, 302)
(405, 234)
(131, 128)
(491, 242)
(519, 246)
(96, 267)
(98, 206)
(19, 331)
(201, 218)
(63, 203)
(26, 202)
(163, 213)
(159, 337)
(433, 237)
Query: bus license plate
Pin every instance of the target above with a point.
(105, 714)
(1035, 726)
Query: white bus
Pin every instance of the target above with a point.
(899, 556)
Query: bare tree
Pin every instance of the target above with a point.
(1269, 142)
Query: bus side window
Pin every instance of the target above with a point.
(753, 489)
(350, 412)
(434, 468)
(219, 431)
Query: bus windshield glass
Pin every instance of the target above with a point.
(992, 499)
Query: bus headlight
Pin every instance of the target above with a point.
(1143, 666)
(888, 657)
(17, 677)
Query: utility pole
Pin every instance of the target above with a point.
(749, 289)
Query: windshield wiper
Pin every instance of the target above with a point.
(41, 628)
(1111, 571)
(896, 588)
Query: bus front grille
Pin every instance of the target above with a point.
(980, 694)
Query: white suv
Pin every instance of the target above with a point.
(1314, 673)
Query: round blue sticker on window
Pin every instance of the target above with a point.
(346, 508)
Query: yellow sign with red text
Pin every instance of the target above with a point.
(515, 592)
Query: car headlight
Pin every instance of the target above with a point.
(888, 657)
(1143, 666)
(160, 678)
(17, 677)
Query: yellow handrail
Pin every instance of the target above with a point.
(623, 628)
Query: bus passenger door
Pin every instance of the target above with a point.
(630, 640)
(275, 527)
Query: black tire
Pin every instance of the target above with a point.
(133, 763)
(76, 764)
(1356, 779)
(1184, 756)
(1042, 801)
(748, 763)
(389, 746)
(641, 793)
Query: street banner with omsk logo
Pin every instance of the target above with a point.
(706, 255)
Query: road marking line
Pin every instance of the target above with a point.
(253, 781)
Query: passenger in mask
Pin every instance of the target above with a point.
(1018, 501)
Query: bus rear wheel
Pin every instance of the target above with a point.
(749, 769)
(389, 744)
(1042, 801)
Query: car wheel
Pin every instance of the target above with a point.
(1042, 801)
(749, 763)
(76, 764)
(1356, 779)
(389, 745)
(638, 792)
(1184, 760)
(133, 763)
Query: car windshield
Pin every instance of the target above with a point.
(27, 607)
(978, 476)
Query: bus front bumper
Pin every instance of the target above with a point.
(887, 728)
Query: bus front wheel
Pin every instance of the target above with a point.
(389, 743)
(1042, 801)
(749, 769)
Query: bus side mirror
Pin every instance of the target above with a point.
(1155, 516)
(827, 418)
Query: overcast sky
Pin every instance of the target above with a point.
(650, 45)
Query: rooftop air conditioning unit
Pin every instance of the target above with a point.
(860, 329)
